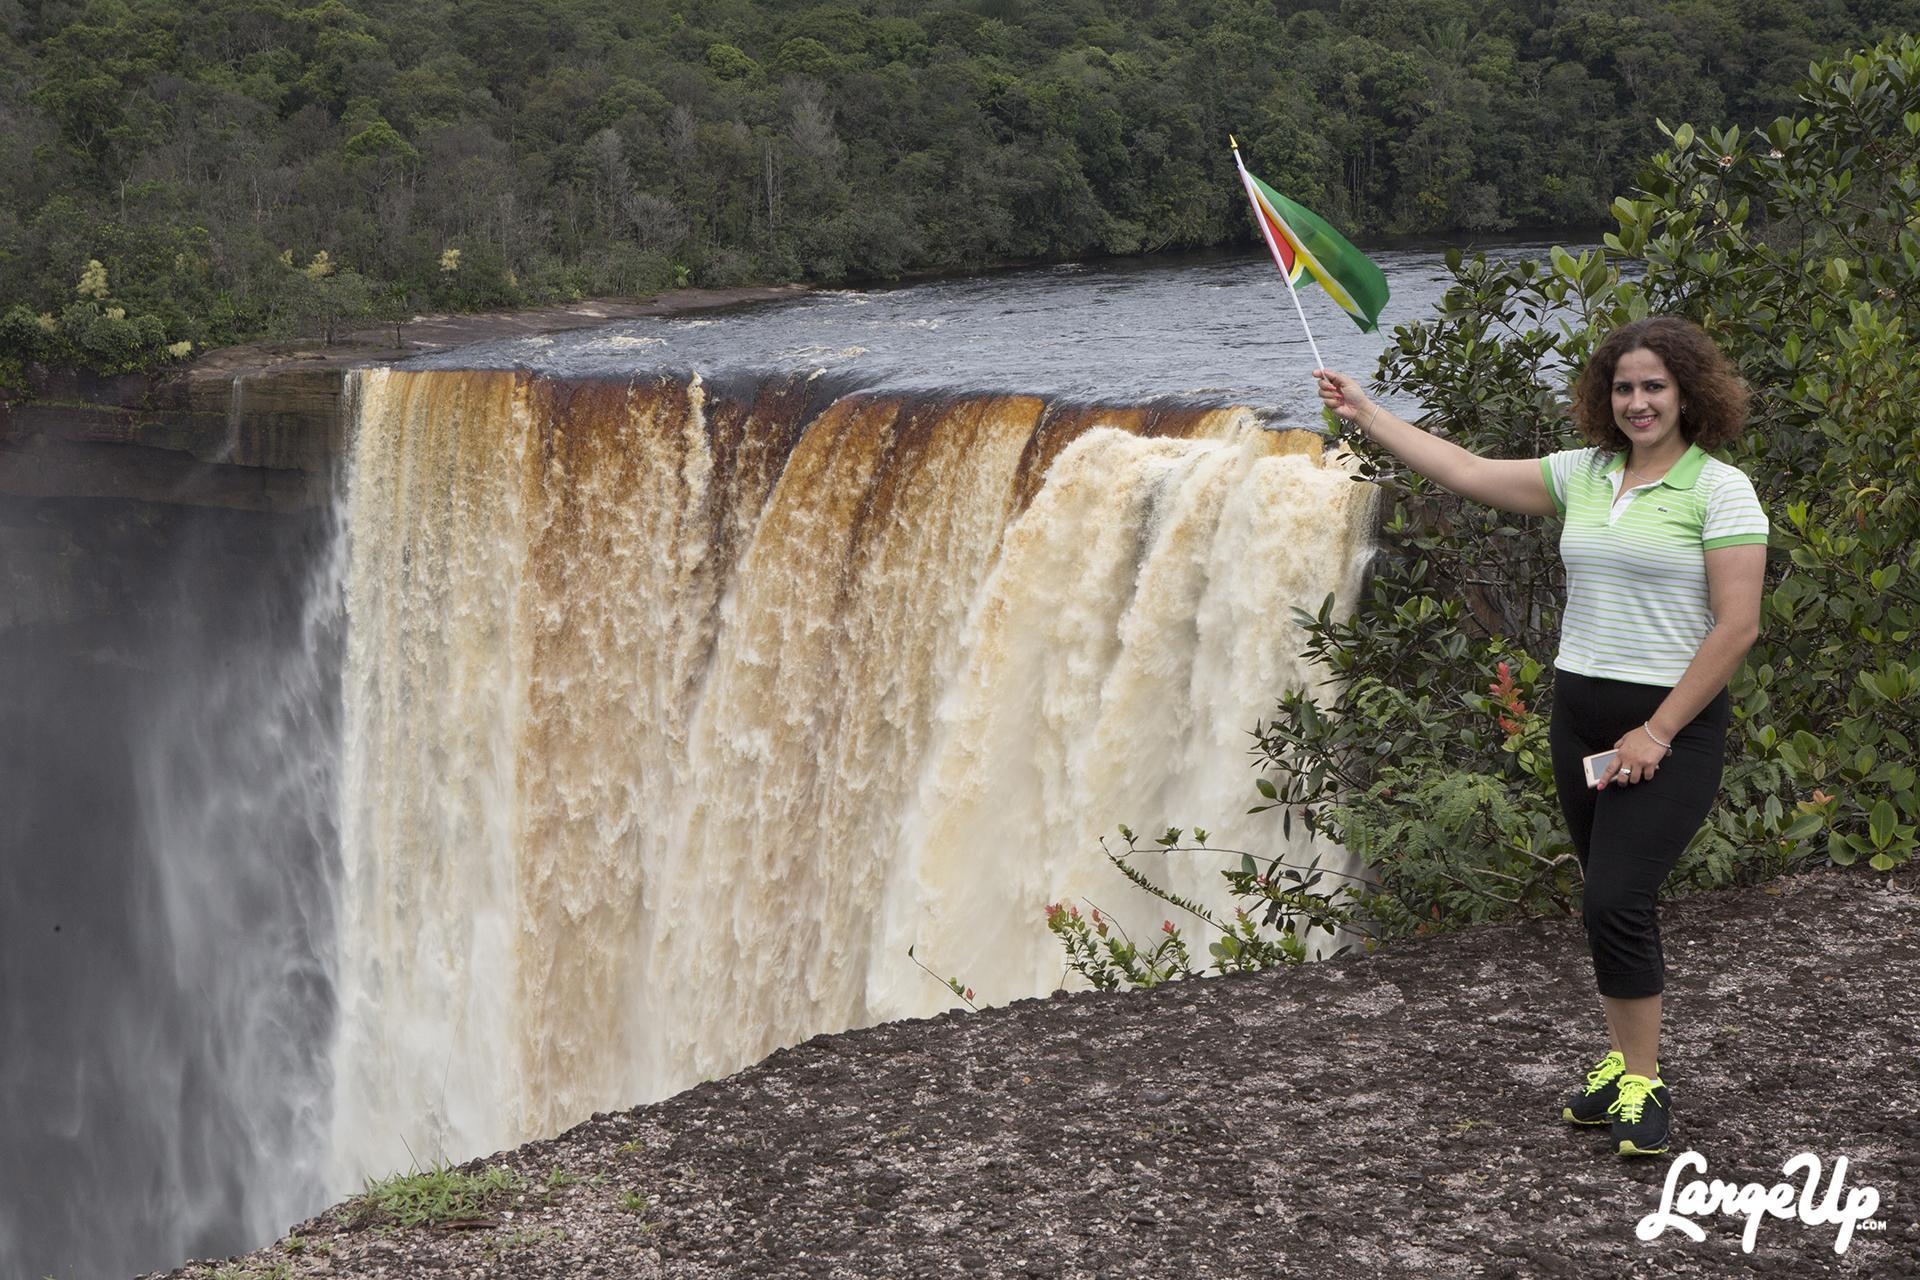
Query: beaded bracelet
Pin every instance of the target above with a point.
(1647, 729)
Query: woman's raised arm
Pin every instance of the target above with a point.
(1511, 484)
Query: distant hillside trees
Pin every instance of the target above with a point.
(576, 147)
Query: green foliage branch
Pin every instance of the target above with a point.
(1279, 910)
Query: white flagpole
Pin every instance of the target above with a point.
(1266, 233)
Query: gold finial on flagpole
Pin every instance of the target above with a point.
(1232, 143)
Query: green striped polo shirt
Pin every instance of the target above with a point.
(1637, 603)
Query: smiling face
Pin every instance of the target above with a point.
(1646, 403)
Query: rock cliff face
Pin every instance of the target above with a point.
(260, 440)
(103, 479)
(157, 541)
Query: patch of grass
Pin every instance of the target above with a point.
(633, 1202)
(434, 1196)
(249, 1271)
(559, 1179)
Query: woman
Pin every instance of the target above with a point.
(1665, 551)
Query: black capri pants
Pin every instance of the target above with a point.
(1628, 838)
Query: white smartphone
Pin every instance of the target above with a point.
(1596, 765)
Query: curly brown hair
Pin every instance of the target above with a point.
(1713, 400)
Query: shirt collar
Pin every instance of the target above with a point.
(1680, 475)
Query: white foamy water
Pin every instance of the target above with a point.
(671, 724)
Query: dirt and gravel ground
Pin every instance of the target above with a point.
(1387, 1115)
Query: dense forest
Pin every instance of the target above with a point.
(175, 176)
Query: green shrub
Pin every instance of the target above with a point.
(97, 331)
(1278, 908)
(729, 63)
(107, 339)
(22, 340)
(1796, 248)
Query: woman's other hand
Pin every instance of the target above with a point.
(1639, 759)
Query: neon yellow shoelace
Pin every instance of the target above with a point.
(1632, 1100)
(1610, 1066)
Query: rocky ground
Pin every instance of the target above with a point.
(1392, 1114)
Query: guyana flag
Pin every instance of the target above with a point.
(1301, 242)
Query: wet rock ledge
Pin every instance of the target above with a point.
(252, 428)
(1387, 1115)
(259, 440)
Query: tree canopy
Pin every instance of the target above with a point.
(206, 155)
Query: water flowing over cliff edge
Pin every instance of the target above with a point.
(674, 714)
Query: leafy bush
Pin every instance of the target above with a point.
(1280, 907)
(22, 338)
(95, 331)
(109, 340)
(1797, 250)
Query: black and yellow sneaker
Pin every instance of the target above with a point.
(1591, 1104)
(1642, 1116)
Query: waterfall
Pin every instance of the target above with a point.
(674, 713)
